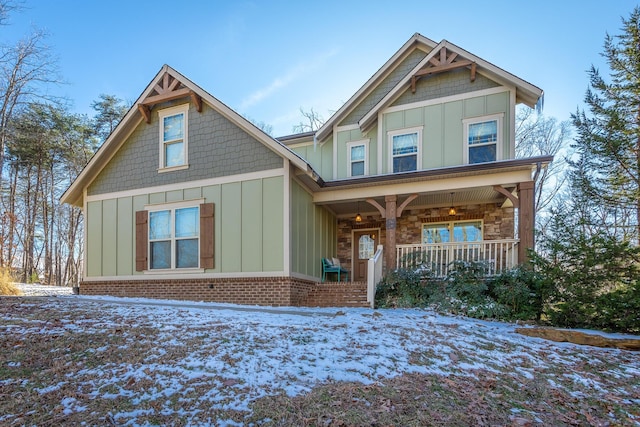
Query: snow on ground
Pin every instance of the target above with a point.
(244, 353)
(35, 289)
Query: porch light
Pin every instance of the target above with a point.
(358, 216)
(452, 210)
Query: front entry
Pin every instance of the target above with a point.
(364, 247)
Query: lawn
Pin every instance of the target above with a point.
(70, 360)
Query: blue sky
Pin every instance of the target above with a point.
(268, 59)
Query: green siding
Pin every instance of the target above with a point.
(313, 233)
(109, 237)
(125, 237)
(249, 227)
(273, 225)
(94, 238)
(252, 225)
(231, 233)
(326, 171)
(443, 130)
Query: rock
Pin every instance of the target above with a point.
(576, 337)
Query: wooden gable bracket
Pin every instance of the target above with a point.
(168, 89)
(399, 210)
(445, 61)
(514, 199)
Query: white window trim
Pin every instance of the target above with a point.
(449, 225)
(172, 206)
(184, 109)
(405, 131)
(466, 122)
(364, 142)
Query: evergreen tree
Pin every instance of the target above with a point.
(608, 136)
(109, 111)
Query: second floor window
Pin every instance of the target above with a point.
(357, 158)
(173, 137)
(482, 139)
(405, 150)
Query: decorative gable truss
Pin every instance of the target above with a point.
(167, 89)
(445, 60)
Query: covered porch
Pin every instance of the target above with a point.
(432, 218)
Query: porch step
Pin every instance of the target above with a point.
(337, 294)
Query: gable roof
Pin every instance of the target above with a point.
(526, 92)
(181, 87)
(416, 41)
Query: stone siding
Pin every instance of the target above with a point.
(272, 291)
(498, 224)
(217, 147)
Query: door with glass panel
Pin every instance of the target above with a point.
(364, 247)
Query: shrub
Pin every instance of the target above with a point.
(403, 287)
(6, 283)
(521, 291)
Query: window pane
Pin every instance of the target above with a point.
(357, 168)
(405, 163)
(173, 127)
(405, 144)
(483, 153)
(365, 247)
(159, 225)
(174, 154)
(481, 133)
(187, 253)
(467, 231)
(161, 254)
(435, 233)
(357, 153)
(187, 222)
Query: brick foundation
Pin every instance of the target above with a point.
(270, 291)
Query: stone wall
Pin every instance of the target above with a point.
(498, 224)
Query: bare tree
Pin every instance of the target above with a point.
(312, 121)
(263, 126)
(538, 135)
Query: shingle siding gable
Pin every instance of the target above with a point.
(445, 84)
(383, 88)
(217, 147)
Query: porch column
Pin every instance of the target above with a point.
(526, 220)
(390, 214)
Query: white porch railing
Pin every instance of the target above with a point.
(499, 255)
(374, 274)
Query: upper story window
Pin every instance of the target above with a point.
(357, 162)
(405, 150)
(174, 238)
(173, 138)
(483, 138)
(452, 231)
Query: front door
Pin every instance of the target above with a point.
(364, 247)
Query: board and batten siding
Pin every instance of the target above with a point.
(248, 234)
(319, 157)
(313, 233)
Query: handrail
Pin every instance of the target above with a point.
(374, 274)
(499, 255)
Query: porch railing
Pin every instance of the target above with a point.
(498, 255)
(374, 274)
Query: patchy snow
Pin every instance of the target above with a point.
(231, 355)
(34, 289)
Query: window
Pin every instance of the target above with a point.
(405, 150)
(173, 138)
(453, 231)
(483, 139)
(174, 238)
(357, 162)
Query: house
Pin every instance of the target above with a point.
(187, 199)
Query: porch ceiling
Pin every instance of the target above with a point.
(470, 196)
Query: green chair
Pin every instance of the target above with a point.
(328, 266)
